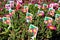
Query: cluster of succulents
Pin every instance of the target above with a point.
(19, 21)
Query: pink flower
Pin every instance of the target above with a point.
(1, 9)
(51, 27)
(43, 15)
(0, 2)
(10, 14)
(39, 6)
(17, 6)
(4, 0)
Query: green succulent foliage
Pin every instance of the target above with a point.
(19, 27)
